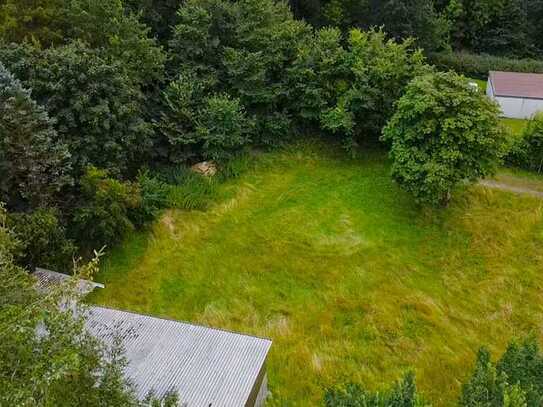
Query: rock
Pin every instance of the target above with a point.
(207, 168)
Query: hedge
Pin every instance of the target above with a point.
(478, 65)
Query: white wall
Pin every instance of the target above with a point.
(517, 108)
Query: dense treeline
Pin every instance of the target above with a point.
(498, 27)
(102, 98)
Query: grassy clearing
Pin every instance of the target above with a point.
(515, 125)
(326, 256)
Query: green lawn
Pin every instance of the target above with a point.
(515, 125)
(326, 256)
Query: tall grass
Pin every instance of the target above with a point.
(352, 281)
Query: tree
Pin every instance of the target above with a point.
(98, 23)
(39, 21)
(97, 107)
(514, 380)
(241, 49)
(34, 163)
(195, 124)
(47, 357)
(159, 15)
(378, 71)
(317, 75)
(442, 133)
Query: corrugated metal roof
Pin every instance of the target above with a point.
(207, 367)
(519, 85)
(47, 279)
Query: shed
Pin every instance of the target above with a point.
(520, 95)
(207, 367)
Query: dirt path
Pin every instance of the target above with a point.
(511, 188)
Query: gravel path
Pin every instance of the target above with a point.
(510, 188)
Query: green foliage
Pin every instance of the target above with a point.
(98, 23)
(102, 218)
(39, 21)
(515, 380)
(98, 110)
(241, 49)
(197, 125)
(504, 27)
(443, 133)
(527, 151)
(43, 238)
(222, 127)
(378, 71)
(34, 163)
(235, 166)
(159, 15)
(318, 75)
(47, 357)
(479, 66)
(154, 197)
(188, 189)
(402, 394)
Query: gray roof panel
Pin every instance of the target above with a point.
(205, 366)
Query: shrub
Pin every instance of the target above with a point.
(443, 133)
(403, 393)
(479, 65)
(44, 240)
(527, 151)
(33, 162)
(154, 197)
(102, 218)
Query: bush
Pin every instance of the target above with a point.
(527, 151)
(443, 133)
(33, 162)
(44, 240)
(154, 197)
(402, 394)
(479, 65)
(102, 218)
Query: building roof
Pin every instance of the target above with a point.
(517, 85)
(206, 366)
(48, 279)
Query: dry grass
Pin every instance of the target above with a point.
(326, 256)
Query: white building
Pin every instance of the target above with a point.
(520, 95)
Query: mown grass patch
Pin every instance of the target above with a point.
(351, 280)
